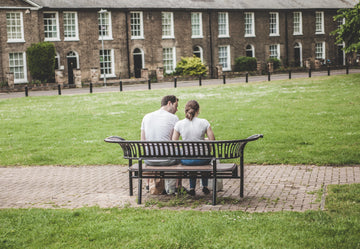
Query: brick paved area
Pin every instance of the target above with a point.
(267, 188)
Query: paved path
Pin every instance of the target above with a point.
(267, 188)
(144, 86)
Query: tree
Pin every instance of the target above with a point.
(349, 31)
(41, 61)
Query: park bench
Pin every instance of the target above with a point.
(205, 149)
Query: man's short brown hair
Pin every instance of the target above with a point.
(166, 99)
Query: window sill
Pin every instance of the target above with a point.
(249, 36)
(168, 37)
(319, 33)
(53, 40)
(274, 35)
(16, 41)
(75, 39)
(197, 37)
(298, 34)
(137, 38)
(223, 36)
(106, 38)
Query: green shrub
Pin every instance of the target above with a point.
(41, 61)
(276, 62)
(245, 64)
(190, 66)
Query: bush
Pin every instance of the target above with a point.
(245, 64)
(41, 61)
(190, 66)
(276, 62)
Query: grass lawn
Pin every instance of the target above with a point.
(337, 227)
(304, 121)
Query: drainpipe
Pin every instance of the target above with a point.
(127, 42)
(211, 47)
(286, 39)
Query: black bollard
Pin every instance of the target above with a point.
(309, 72)
(347, 69)
(26, 91)
(175, 81)
(121, 86)
(224, 79)
(149, 84)
(289, 74)
(199, 80)
(91, 87)
(247, 77)
(269, 76)
(328, 71)
(59, 89)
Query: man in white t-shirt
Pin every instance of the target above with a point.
(159, 126)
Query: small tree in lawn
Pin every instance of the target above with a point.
(41, 61)
(349, 31)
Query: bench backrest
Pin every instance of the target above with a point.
(218, 149)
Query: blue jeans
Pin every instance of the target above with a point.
(192, 162)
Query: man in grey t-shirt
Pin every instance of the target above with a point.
(159, 126)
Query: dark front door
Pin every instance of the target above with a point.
(340, 55)
(71, 61)
(297, 56)
(137, 65)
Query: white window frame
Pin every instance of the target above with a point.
(15, 22)
(13, 65)
(75, 25)
(196, 25)
(319, 22)
(297, 24)
(277, 46)
(252, 49)
(57, 37)
(322, 53)
(108, 26)
(227, 59)
(223, 24)
(199, 52)
(343, 52)
(137, 28)
(249, 26)
(172, 60)
(274, 25)
(112, 61)
(167, 25)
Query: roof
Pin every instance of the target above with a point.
(197, 4)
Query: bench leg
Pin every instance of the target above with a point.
(131, 183)
(139, 190)
(214, 192)
(140, 182)
(241, 180)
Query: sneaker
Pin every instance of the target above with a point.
(192, 192)
(206, 190)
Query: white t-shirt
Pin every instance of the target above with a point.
(192, 130)
(159, 125)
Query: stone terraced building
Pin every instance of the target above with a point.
(123, 38)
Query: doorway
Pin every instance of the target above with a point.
(138, 62)
(71, 64)
(297, 55)
(340, 55)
